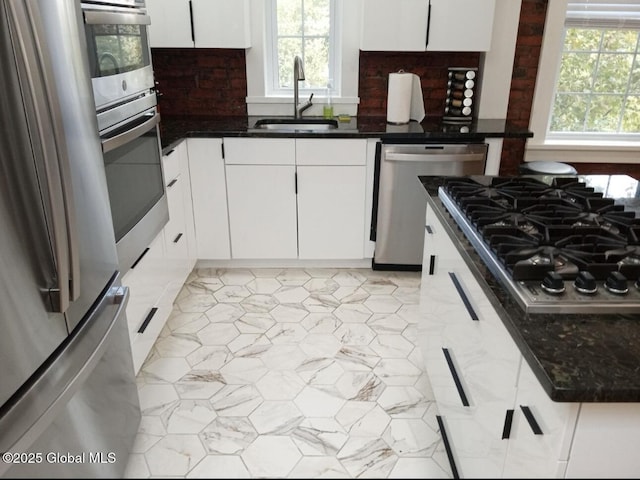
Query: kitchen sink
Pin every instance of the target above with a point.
(296, 124)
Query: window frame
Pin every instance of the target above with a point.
(271, 55)
(575, 150)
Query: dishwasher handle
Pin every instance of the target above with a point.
(435, 157)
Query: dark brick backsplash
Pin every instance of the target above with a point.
(202, 81)
(431, 67)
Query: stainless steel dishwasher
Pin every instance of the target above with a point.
(399, 203)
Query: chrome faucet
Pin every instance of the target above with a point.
(298, 74)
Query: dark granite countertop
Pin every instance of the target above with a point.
(175, 128)
(576, 357)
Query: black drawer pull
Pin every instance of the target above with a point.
(447, 447)
(463, 296)
(528, 414)
(172, 182)
(508, 421)
(169, 152)
(177, 239)
(429, 229)
(145, 324)
(456, 377)
(432, 264)
(140, 257)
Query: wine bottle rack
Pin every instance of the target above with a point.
(461, 98)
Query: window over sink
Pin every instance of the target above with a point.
(321, 33)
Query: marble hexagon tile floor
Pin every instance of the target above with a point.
(289, 373)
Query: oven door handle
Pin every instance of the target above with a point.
(116, 141)
(92, 17)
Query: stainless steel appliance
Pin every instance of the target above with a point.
(133, 164)
(118, 50)
(126, 109)
(67, 387)
(399, 201)
(558, 244)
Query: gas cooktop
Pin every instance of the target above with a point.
(559, 244)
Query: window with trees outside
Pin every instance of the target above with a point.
(305, 28)
(598, 89)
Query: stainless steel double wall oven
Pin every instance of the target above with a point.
(128, 119)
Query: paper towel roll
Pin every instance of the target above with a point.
(404, 98)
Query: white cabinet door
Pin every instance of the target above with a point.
(209, 193)
(216, 23)
(221, 23)
(331, 212)
(262, 211)
(400, 25)
(460, 25)
(170, 23)
(331, 198)
(187, 203)
(539, 452)
(431, 25)
(605, 443)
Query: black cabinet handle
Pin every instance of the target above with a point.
(169, 152)
(193, 33)
(148, 318)
(428, 24)
(528, 414)
(140, 257)
(456, 377)
(295, 180)
(432, 264)
(463, 296)
(508, 421)
(447, 447)
(177, 239)
(429, 229)
(172, 182)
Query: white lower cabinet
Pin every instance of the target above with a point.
(262, 211)
(331, 198)
(471, 360)
(540, 440)
(147, 281)
(155, 281)
(296, 198)
(209, 197)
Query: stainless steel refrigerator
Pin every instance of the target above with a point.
(68, 399)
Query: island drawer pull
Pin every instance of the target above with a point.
(456, 377)
(147, 319)
(432, 264)
(528, 414)
(508, 421)
(447, 447)
(463, 296)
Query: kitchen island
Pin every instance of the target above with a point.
(556, 396)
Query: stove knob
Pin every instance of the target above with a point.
(616, 283)
(553, 283)
(585, 283)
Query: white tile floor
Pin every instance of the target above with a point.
(289, 373)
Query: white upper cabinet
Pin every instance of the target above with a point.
(199, 23)
(427, 25)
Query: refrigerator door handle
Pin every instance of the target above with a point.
(57, 168)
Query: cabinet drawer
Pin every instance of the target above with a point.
(259, 151)
(142, 342)
(316, 151)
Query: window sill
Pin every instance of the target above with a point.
(583, 152)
